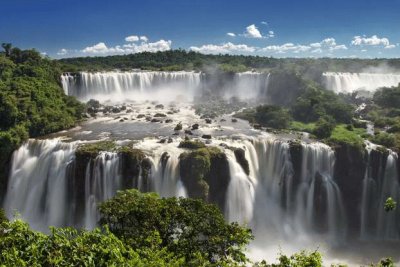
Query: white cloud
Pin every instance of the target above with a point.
(264, 22)
(231, 34)
(132, 38)
(102, 49)
(318, 51)
(62, 52)
(252, 32)
(337, 47)
(374, 40)
(144, 38)
(390, 46)
(288, 47)
(364, 50)
(223, 48)
(271, 34)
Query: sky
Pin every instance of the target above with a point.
(279, 28)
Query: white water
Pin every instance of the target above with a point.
(160, 85)
(341, 82)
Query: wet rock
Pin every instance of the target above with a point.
(170, 140)
(129, 111)
(168, 120)
(170, 113)
(115, 110)
(159, 106)
(178, 127)
(189, 132)
(121, 120)
(155, 120)
(123, 107)
(162, 141)
(159, 115)
(222, 120)
(234, 120)
(257, 126)
(208, 121)
(240, 156)
(191, 144)
(206, 136)
(195, 126)
(148, 118)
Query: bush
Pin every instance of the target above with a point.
(268, 116)
(324, 127)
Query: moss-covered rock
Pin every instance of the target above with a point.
(131, 165)
(205, 174)
(191, 144)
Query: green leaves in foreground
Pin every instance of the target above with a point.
(188, 228)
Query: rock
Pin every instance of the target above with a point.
(115, 110)
(162, 141)
(234, 120)
(148, 118)
(257, 126)
(129, 111)
(158, 115)
(148, 107)
(191, 144)
(140, 116)
(170, 113)
(121, 120)
(208, 121)
(189, 132)
(159, 106)
(206, 136)
(155, 120)
(170, 140)
(240, 155)
(195, 126)
(222, 120)
(123, 107)
(178, 127)
(168, 120)
(125, 118)
(175, 133)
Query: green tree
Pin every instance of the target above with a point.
(188, 228)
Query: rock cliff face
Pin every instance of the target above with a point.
(205, 174)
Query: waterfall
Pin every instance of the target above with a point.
(351, 82)
(161, 85)
(38, 182)
(277, 201)
(42, 172)
(381, 181)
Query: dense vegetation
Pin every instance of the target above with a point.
(184, 60)
(32, 102)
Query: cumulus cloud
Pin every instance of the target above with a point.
(374, 40)
(231, 34)
(132, 38)
(264, 22)
(223, 48)
(390, 46)
(271, 34)
(252, 32)
(288, 47)
(129, 48)
(62, 52)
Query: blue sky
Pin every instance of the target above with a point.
(280, 28)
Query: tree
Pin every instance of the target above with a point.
(188, 228)
(7, 48)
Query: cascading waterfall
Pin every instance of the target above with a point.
(276, 203)
(38, 182)
(279, 197)
(378, 185)
(133, 84)
(39, 192)
(350, 82)
(159, 85)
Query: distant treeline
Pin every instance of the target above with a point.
(184, 60)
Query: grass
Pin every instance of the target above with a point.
(342, 134)
(302, 127)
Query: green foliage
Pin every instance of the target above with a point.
(388, 97)
(301, 259)
(20, 246)
(3, 216)
(390, 204)
(93, 149)
(188, 228)
(266, 115)
(386, 139)
(315, 103)
(302, 127)
(341, 135)
(324, 127)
